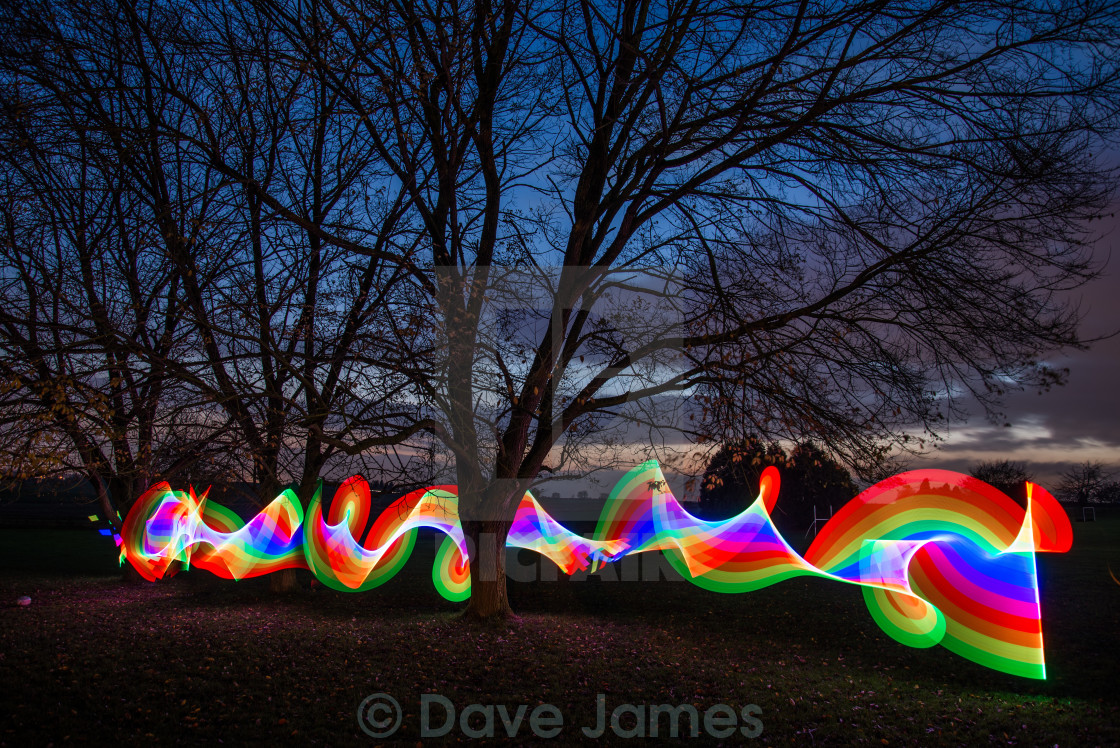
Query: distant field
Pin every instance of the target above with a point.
(57, 552)
(198, 660)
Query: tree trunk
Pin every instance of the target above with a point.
(282, 582)
(486, 544)
(129, 575)
(105, 502)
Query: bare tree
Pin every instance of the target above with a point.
(288, 331)
(89, 311)
(157, 314)
(1084, 483)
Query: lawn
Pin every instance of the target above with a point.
(200, 660)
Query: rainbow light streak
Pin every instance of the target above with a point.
(942, 558)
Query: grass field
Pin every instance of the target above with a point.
(200, 660)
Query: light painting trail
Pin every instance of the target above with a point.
(942, 558)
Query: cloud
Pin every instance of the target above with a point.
(1076, 422)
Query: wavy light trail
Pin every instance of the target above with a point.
(942, 558)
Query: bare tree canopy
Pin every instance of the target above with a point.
(803, 220)
(155, 314)
(1086, 483)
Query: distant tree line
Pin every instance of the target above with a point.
(1086, 483)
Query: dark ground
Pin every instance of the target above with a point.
(199, 660)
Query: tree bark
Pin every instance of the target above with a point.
(283, 582)
(486, 544)
(129, 575)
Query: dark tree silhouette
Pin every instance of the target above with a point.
(810, 478)
(148, 304)
(1110, 492)
(730, 482)
(812, 481)
(1006, 475)
(1085, 483)
(89, 309)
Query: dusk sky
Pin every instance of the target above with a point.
(1069, 424)
(1052, 431)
